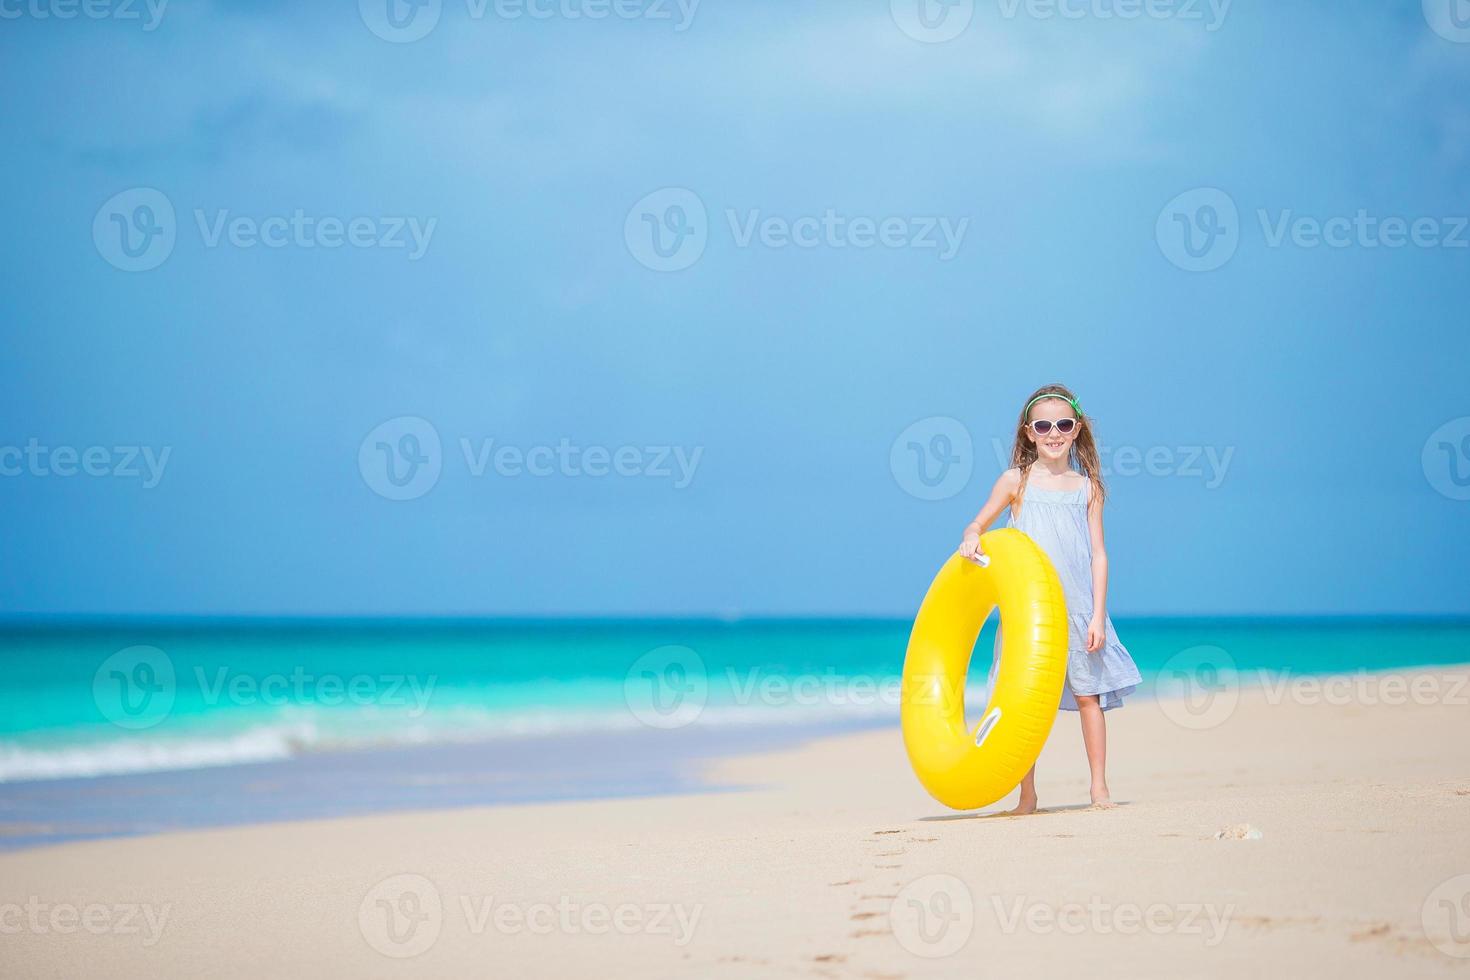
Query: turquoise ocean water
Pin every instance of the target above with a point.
(87, 700)
(110, 730)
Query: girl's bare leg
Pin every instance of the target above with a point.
(1095, 739)
(1027, 802)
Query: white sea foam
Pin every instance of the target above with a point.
(149, 754)
(222, 740)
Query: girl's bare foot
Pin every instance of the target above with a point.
(1101, 800)
(1026, 805)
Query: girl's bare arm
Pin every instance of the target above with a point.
(1001, 496)
(1099, 576)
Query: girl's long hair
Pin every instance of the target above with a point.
(1084, 448)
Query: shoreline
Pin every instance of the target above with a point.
(817, 864)
(548, 768)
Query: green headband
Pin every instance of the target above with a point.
(1053, 394)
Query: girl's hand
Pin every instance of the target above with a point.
(1097, 635)
(970, 547)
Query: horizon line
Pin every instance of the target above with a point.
(32, 620)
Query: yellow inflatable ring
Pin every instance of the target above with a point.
(968, 768)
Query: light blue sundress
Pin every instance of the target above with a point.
(1057, 521)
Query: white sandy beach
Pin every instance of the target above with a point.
(831, 861)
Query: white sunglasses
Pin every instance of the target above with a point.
(1042, 426)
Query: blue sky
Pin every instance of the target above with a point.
(1302, 404)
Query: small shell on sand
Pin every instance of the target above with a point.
(1238, 831)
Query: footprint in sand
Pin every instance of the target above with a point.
(839, 884)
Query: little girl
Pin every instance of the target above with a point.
(1061, 510)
